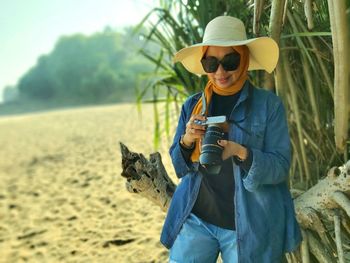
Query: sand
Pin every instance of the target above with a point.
(62, 198)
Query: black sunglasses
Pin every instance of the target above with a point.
(229, 62)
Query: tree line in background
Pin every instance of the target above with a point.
(100, 68)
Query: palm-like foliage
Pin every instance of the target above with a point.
(315, 95)
(306, 68)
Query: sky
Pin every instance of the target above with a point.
(29, 29)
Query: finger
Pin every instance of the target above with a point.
(191, 131)
(199, 127)
(197, 117)
(222, 142)
(198, 132)
(224, 156)
(191, 125)
(195, 134)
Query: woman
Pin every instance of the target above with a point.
(243, 210)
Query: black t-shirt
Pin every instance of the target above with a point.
(215, 203)
(215, 200)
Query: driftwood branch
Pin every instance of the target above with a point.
(342, 200)
(320, 210)
(339, 242)
(147, 177)
(324, 195)
(320, 252)
(305, 254)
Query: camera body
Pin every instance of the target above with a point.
(212, 120)
(210, 156)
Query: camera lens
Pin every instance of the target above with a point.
(211, 151)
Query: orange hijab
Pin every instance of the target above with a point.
(242, 71)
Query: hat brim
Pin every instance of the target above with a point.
(263, 51)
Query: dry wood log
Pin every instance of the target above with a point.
(147, 177)
(329, 193)
(338, 238)
(305, 254)
(316, 209)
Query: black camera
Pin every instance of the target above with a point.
(211, 152)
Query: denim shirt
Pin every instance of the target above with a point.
(264, 211)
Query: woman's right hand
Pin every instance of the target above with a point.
(194, 131)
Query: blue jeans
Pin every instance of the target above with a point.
(199, 241)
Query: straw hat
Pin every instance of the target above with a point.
(227, 31)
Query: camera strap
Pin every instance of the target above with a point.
(204, 104)
(248, 105)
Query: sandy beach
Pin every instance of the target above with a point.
(62, 198)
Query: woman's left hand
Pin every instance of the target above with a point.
(232, 149)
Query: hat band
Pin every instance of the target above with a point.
(224, 40)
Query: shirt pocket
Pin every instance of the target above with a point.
(256, 135)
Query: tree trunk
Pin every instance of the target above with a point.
(275, 27)
(341, 54)
(323, 211)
